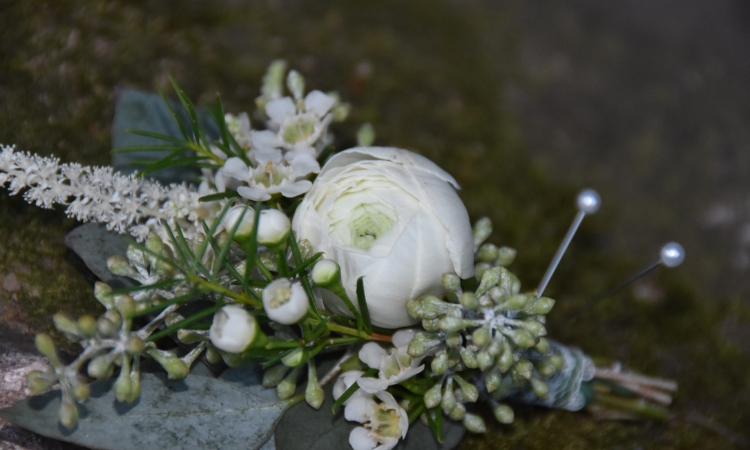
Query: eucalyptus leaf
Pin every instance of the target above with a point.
(305, 427)
(195, 413)
(94, 244)
(136, 110)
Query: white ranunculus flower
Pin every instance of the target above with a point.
(392, 217)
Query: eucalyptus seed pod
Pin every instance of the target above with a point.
(545, 367)
(519, 302)
(485, 360)
(439, 364)
(492, 379)
(474, 423)
(212, 355)
(542, 346)
(448, 402)
(481, 268)
(113, 316)
(46, 347)
(498, 295)
(490, 278)
(125, 305)
(458, 412)
(66, 325)
(496, 347)
(106, 328)
(469, 300)
(509, 282)
(521, 337)
(68, 414)
(454, 340)
(487, 253)
(175, 367)
(485, 301)
(481, 337)
(136, 257)
(415, 309)
(505, 256)
(314, 395)
(285, 389)
(430, 324)
(505, 360)
(433, 396)
(453, 324)
(468, 390)
(539, 387)
(273, 376)
(536, 328)
(523, 369)
(503, 413)
(558, 361)
(542, 306)
(134, 345)
(452, 285)
(81, 391)
(122, 387)
(101, 367)
(135, 380)
(120, 266)
(103, 293)
(39, 381)
(87, 325)
(468, 357)
(482, 230)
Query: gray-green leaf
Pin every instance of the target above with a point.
(94, 244)
(194, 413)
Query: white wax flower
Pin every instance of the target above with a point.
(273, 228)
(285, 302)
(392, 217)
(385, 422)
(393, 366)
(233, 216)
(233, 329)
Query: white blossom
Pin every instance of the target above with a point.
(285, 302)
(385, 422)
(394, 366)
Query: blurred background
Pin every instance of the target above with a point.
(524, 102)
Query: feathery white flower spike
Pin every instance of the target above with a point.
(124, 203)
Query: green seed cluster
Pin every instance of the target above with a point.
(493, 335)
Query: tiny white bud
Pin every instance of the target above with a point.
(273, 228)
(326, 273)
(245, 215)
(285, 302)
(233, 329)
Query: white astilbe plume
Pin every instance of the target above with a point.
(124, 203)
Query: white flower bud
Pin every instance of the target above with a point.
(245, 215)
(233, 329)
(326, 273)
(273, 228)
(474, 423)
(285, 302)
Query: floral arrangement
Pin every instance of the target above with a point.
(357, 269)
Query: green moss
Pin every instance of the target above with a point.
(424, 75)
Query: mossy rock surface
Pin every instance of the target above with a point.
(434, 77)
